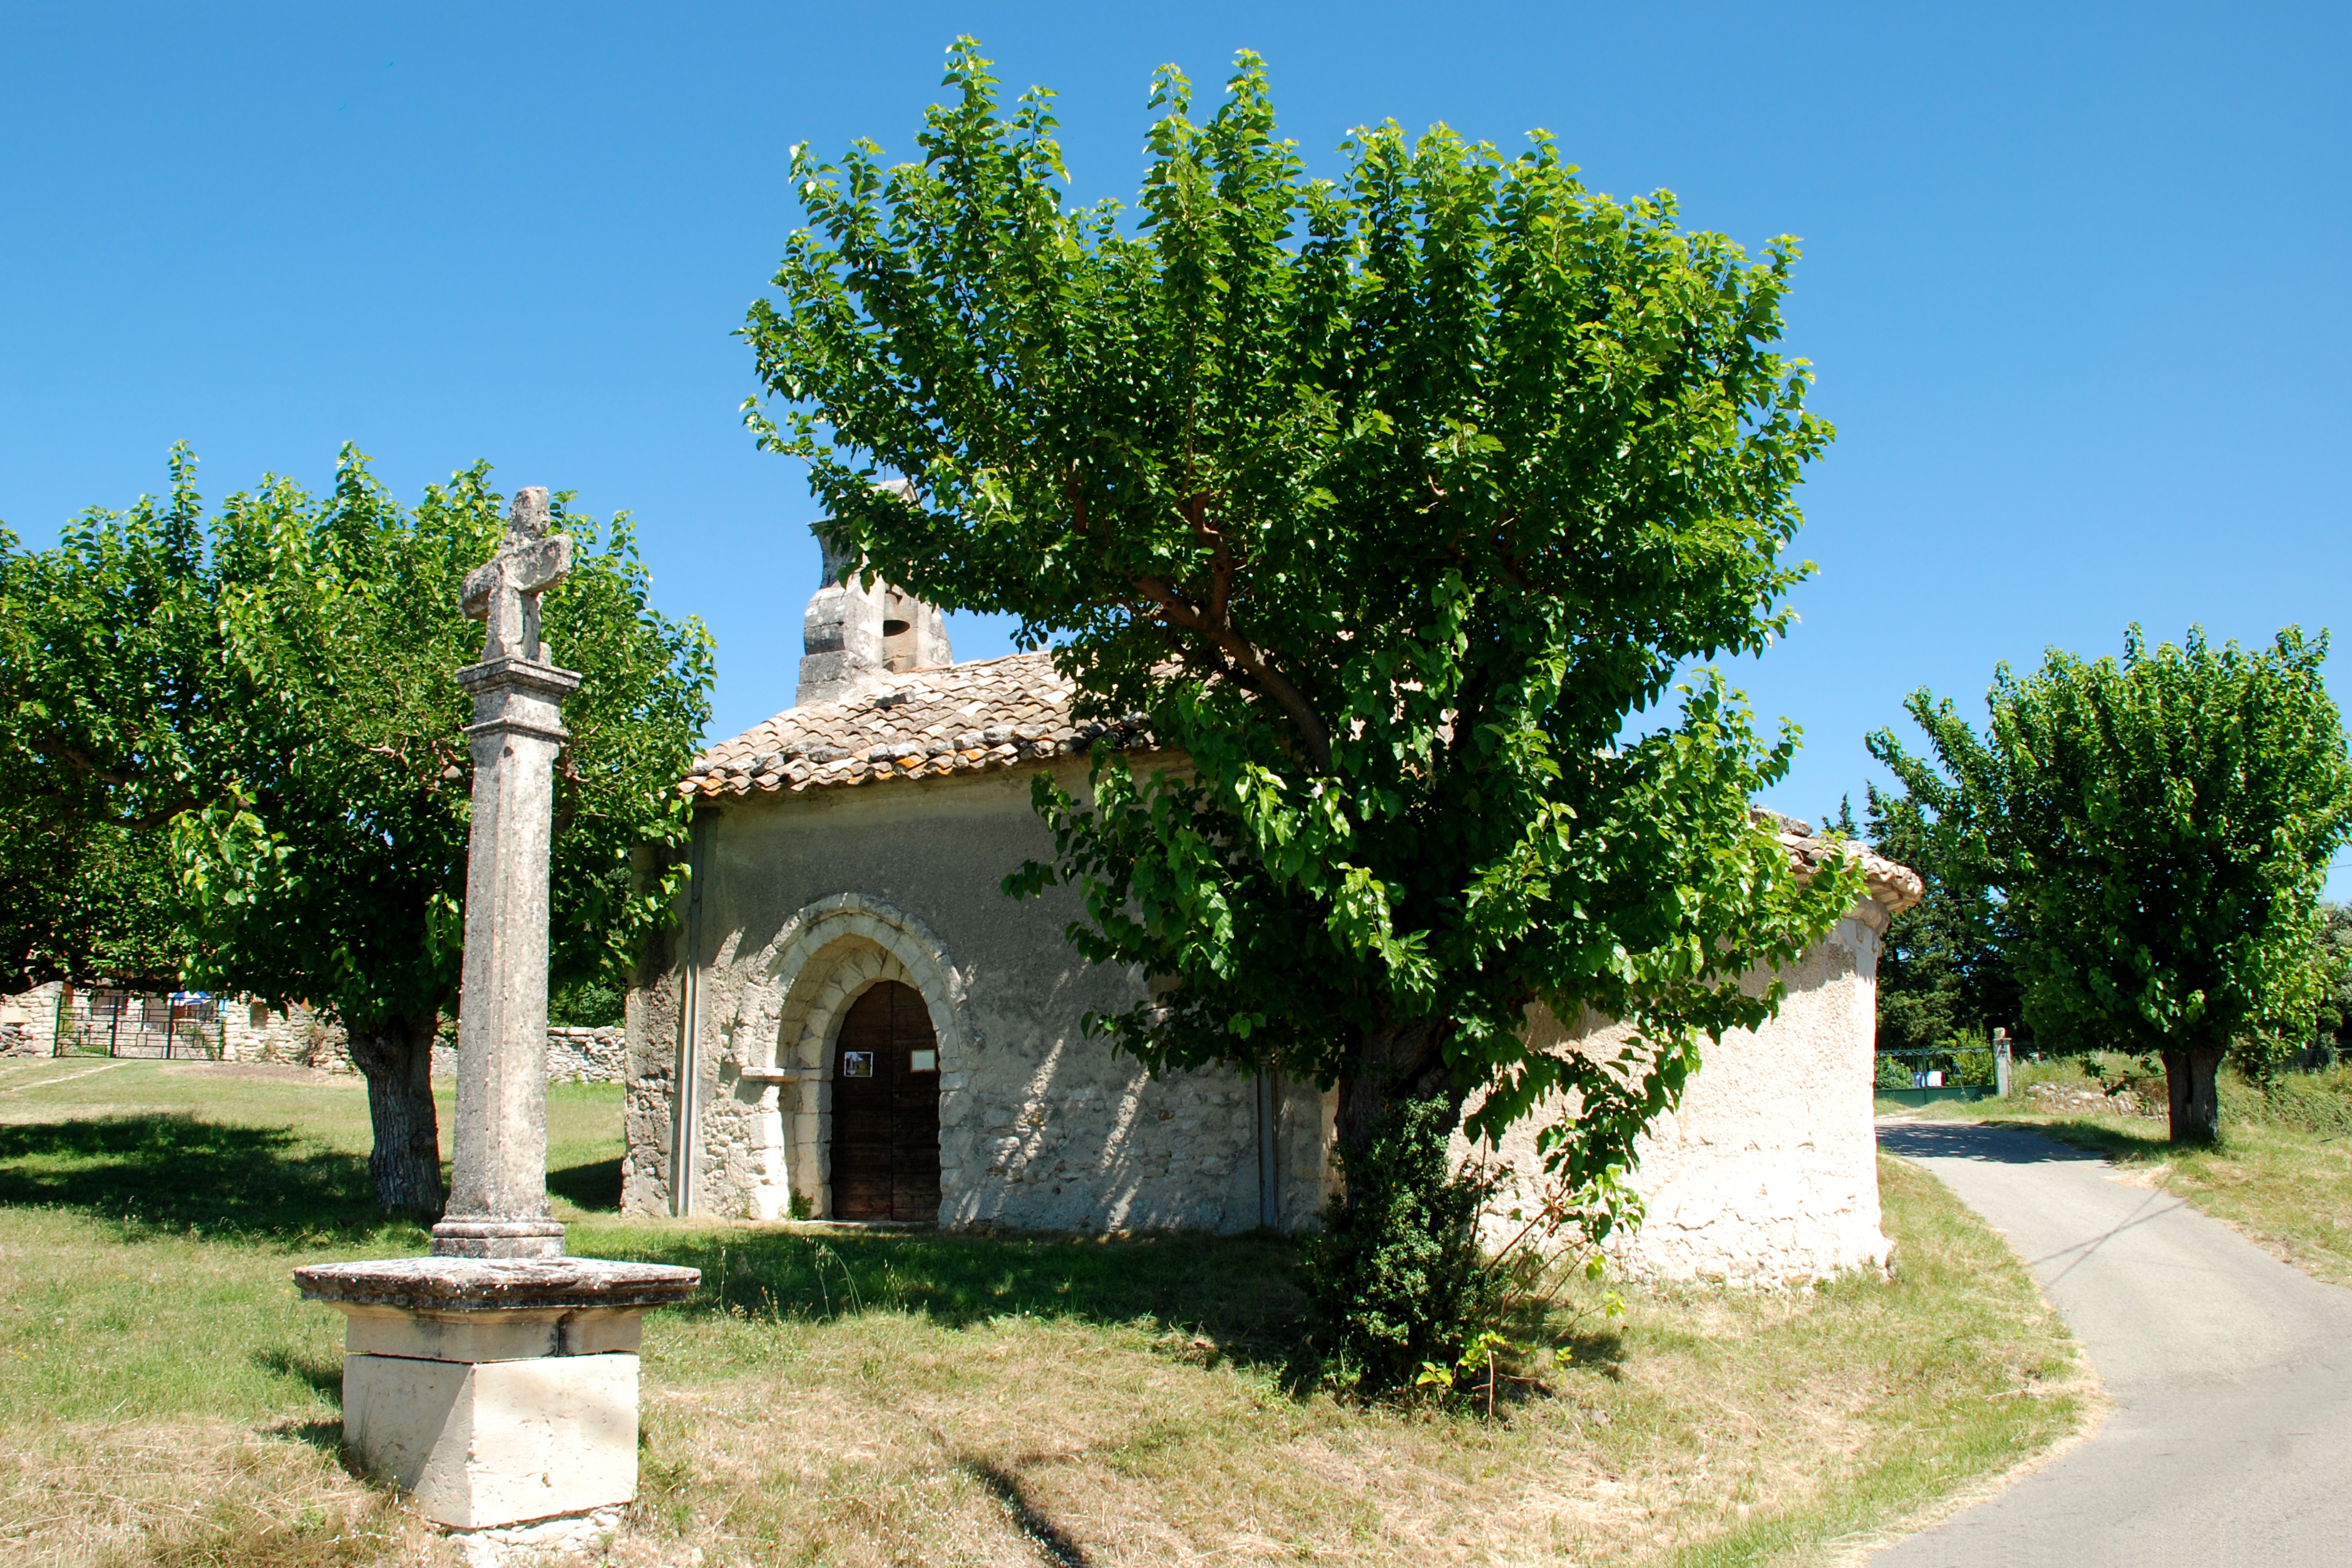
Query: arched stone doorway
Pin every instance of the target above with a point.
(885, 1108)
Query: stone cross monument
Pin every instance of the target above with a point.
(498, 1199)
(497, 1379)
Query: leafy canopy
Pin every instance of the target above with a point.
(1387, 499)
(277, 684)
(1943, 970)
(2158, 829)
(88, 889)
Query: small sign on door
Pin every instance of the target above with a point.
(857, 1064)
(924, 1061)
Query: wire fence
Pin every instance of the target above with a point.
(1948, 1071)
(173, 1026)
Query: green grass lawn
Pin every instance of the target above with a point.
(854, 1398)
(2281, 1175)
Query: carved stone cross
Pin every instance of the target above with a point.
(504, 591)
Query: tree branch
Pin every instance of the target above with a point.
(1312, 732)
(1214, 620)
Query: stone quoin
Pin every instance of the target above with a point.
(857, 841)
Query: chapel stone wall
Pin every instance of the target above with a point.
(1766, 1173)
(1040, 1124)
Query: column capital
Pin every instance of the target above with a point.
(511, 673)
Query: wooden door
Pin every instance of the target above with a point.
(886, 1109)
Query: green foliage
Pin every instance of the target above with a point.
(277, 685)
(1396, 1276)
(86, 900)
(1388, 503)
(87, 887)
(591, 1001)
(2336, 966)
(1944, 967)
(2157, 829)
(2319, 1102)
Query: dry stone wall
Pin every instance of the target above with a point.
(28, 1021)
(574, 1055)
(252, 1031)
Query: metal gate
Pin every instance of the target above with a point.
(176, 1026)
(1946, 1072)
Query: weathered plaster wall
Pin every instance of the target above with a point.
(1768, 1172)
(808, 899)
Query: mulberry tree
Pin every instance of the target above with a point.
(1397, 502)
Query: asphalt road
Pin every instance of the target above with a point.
(2230, 1438)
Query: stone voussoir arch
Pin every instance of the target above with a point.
(819, 962)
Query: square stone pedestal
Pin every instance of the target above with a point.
(499, 1392)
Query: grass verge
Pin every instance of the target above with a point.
(849, 1398)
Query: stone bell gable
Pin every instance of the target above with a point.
(854, 637)
(853, 1021)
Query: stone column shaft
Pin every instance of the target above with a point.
(498, 1199)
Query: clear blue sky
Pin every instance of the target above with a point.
(2075, 278)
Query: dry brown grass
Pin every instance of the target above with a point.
(195, 1492)
(1706, 1426)
(163, 1399)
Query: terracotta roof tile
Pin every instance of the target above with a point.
(925, 724)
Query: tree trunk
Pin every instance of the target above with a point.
(1404, 1063)
(2196, 1105)
(396, 1057)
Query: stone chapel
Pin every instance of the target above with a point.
(852, 1022)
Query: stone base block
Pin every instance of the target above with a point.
(498, 1442)
(499, 1392)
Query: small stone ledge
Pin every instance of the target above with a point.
(497, 1284)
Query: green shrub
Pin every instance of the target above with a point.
(594, 1002)
(1397, 1279)
(1971, 1060)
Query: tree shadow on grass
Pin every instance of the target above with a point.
(595, 1187)
(327, 1437)
(324, 1376)
(1052, 1542)
(2122, 1147)
(174, 1174)
(1238, 1298)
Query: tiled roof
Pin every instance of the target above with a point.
(959, 718)
(996, 713)
(1893, 887)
